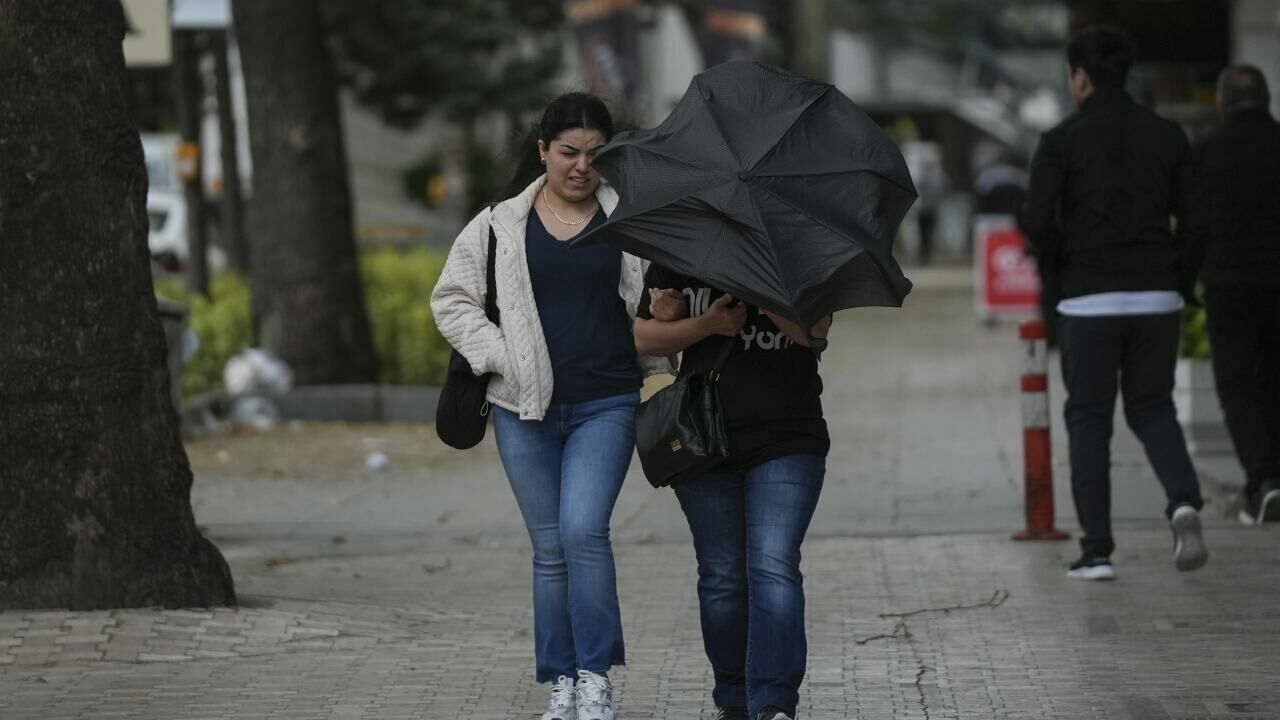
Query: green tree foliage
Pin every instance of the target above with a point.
(222, 323)
(462, 58)
(459, 59)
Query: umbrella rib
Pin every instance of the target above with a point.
(686, 163)
(772, 250)
(720, 129)
(794, 120)
(802, 211)
(817, 221)
(619, 216)
(806, 173)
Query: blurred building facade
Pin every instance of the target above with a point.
(971, 83)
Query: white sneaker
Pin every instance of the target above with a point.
(1189, 551)
(563, 704)
(595, 696)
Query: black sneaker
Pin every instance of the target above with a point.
(773, 713)
(730, 713)
(1087, 568)
(1262, 506)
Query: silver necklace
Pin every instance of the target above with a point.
(547, 205)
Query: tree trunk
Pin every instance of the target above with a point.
(188, 95)
(95, 508)
(232, 200)
(811, 42)
(308, 304)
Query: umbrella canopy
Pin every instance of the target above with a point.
(767, 185)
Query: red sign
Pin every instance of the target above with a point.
(1006, 281)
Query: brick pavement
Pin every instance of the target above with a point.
(444, 632)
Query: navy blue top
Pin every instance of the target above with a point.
(588, 331)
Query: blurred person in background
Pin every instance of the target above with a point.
(1237, 251)
(1001, 189)
(1104, 183)
(566, 382)
(932, 184)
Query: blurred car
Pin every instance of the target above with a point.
(167, 234)
(167, 206)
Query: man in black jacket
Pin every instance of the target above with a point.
(1104, 184)
(1236, 235)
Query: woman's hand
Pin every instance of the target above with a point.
(658, 337)
(667, 305)
(724, 317)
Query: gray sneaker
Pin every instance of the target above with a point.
(1262, 506)
(563, 704)
(595, 696)
(1189, 551)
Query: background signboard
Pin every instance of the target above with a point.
(1005, 279)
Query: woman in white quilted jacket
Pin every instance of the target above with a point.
(564, 391)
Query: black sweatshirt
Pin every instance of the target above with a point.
(1104, 184)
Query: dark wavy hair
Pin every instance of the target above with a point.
(567, 112)
(1105, 53)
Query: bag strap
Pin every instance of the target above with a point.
(490, 294)
(729, 342)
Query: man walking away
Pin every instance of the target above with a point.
(1236, 225)
(1104, 183)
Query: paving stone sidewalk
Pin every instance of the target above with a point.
(960, 626)
(405, 593)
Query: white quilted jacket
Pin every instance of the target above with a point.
(516, 352)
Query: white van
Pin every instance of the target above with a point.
(167, 205)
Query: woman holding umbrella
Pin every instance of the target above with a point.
(771, 188)
(749, 515)
(564, 389)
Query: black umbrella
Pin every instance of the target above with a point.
(767, 185)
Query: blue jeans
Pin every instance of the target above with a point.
(566, 471)
(747, 529)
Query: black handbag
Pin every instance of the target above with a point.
(680, 430)
(462, 412)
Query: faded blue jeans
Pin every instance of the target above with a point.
(747, 530)
(566, 471)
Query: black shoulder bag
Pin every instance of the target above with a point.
(462, 412)
(680, 430)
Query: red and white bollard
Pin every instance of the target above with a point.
(1037, 457)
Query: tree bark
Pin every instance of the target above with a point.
(308, 305)
(188, 95)
(811, 42)
(95, 508)
(232, 199)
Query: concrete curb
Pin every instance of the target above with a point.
(361, 403)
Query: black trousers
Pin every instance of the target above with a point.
(1244, 332)
(1136, 354)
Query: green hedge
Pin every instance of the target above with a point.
(1194, 342)
(223, 324)
(397, 291)
(397, 288)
